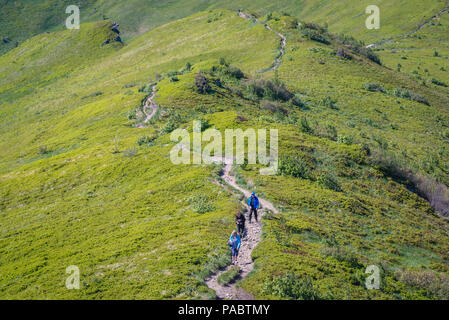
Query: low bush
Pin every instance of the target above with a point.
(327, 131)
(304, 126)
(329, 181)
(202, 84)
(272, 90)
(407, 94)
(294, 166)
(145, 140)
(168, 127)
(329, 102)
(229, 276)
(272, 106)
(436, 285)
(429, 188)
(373, 87)
(200, 204)
(439, 83)
(291, 286)
(341, 254)
(43, 150)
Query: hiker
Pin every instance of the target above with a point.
(234, 244)
(240, 222)
(253, 203)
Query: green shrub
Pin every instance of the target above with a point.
(132, 114)
(327, 131)
(291, 286)
(43, 150)
(273, 90)
(329, 102)
(168, 127)
(329, 181)
(407, 94)
(229, 276)
(436, 285)
(294, 166)
(296, 101)
(341, 254)
(202, 84)
(145, 140)
(315, 32)
(304, 126)
(345, 139)
(373, 87)
(438, 82)
(200, 204)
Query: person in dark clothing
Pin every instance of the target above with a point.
(240, 222)
(253, 203)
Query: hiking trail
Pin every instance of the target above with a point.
(278, 59)
(253, 237)
(149, 104)
(249, 242)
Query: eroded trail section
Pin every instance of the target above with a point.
(278, 59)
(149, 108)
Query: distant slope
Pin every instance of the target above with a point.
(30, 17)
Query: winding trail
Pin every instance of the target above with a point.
(253, 237)
(249, 242)
(253, 230)
(278, 59)
(149, 104)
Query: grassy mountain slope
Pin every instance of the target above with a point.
(77, 188)
(138, 16)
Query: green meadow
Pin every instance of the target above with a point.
(81, 185)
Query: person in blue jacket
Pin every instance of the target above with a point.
(253, 203)
(234, 243)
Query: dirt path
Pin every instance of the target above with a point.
(149, 104)
(278, 59)
(253, 237)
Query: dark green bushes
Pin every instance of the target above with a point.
(329, 181)
(429, 188)
(373, 87)
(407, 94)
(291, 286)
(229, 276)
(436, 285)
(202, 84)
(294, 166)
(341, 254)
(272, 90)
(438, 82)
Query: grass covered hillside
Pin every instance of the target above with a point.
(25, 18)
(362, 179)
